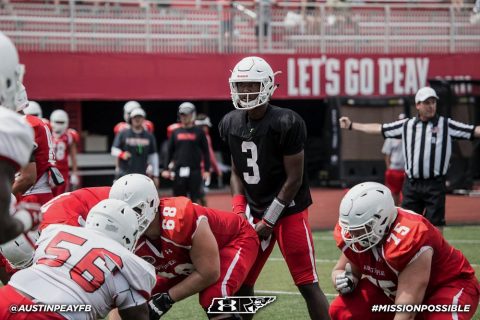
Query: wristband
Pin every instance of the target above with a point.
(350, 126)
(274, 212)
(239, 204)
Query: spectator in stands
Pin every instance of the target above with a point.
(427, 142)
(136, 148)
(187, 148)
(264, 17)
(203, 122)
(395, 164)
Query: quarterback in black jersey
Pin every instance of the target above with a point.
(267, 146)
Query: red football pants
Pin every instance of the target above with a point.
(236, 259)
(295, 241)
(9, 297)
(358, 304)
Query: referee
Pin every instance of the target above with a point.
(427, 147)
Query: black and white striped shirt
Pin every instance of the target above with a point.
(427, 146)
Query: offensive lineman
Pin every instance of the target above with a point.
(85, 266)
(394, 256)
(16, 140)
(194, 249)
(267, 146)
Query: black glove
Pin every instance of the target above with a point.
(159, 305)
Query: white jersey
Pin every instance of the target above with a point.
(74, 265)
(16, 138)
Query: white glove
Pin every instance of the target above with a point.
(345, 282)
(74, 180)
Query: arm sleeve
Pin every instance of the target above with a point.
(393, 129)
(153, 160)
(460, 130)
(117, 145)
(153, 143)
(221, 130)
(205, 152)
(171, 149)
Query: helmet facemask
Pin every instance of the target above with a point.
(251, 100)
(360, 238)
(145, 214)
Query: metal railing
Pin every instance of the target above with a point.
(243, 27)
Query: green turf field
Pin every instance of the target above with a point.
(275, 278)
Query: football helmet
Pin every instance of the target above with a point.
(116, 220)
(140, 193)
(59, 121)
(11, 72)
(33, 109)
(252, 69)
(128, 108)
(19, 252)
(366, 214)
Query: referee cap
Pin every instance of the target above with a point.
(425, 93)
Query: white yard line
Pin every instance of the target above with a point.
(289, 293)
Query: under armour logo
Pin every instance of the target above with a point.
(227, 307)
(239, 305)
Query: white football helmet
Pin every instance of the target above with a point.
(116, 220)
(19, 252)
(11, 72)
(252, 69)
(140, 193)
(59, 121)
(128, 108)
(33, 109)
(366, 214)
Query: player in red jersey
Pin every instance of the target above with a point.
(196, 250)
(72, 208)
(65, 141)
(33, 183)
(395, 256)
(127, 109)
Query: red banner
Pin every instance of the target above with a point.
(87, 76)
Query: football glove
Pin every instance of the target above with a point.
(345, 282)
(159, 305)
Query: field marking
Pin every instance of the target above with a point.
(289, 293)
(335, 261)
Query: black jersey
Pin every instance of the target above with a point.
(258, 148)
(187, 147)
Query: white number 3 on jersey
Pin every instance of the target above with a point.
(251, 162)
